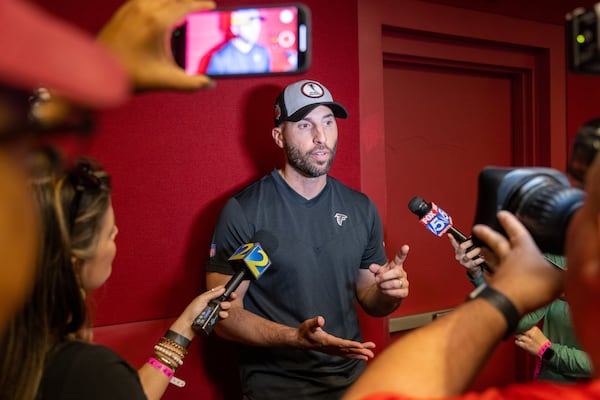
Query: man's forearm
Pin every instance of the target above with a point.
(245, 327)
(440, 359)
(377, 304)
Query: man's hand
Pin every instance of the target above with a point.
(138, 34)
(523, 274)
(391, 278)
(312, 336)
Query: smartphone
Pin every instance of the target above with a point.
(262, 40)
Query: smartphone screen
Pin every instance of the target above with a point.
(244, 41)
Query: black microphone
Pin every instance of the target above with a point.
(438, 222)
(251, 261)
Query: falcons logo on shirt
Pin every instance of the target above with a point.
(340, 218)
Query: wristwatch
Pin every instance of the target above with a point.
(500, 302)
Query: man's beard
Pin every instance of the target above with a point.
(303, 163)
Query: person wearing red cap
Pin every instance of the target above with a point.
(559, 355)
(96, 72)
(79, 73)
(298, 323)
(441, 359)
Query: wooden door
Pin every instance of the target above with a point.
(444, 92)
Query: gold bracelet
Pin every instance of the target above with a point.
(174, 350)
(171, 343)
(165, 361)
(167, 353)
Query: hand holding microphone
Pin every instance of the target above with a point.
(250, 261)
(468, 256)
(438, 222)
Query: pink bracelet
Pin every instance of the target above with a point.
(161, 367)
(543, 349)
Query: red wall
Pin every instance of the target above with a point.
(582, 91)
(583, 99)
(175, 158)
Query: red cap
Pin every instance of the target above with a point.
(37, 49)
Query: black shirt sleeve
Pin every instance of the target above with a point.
(231, 231)
(80, 370)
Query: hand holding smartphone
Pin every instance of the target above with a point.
(245, 41)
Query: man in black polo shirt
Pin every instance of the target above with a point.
(298, 323)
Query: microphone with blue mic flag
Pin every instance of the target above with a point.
(439, 222)
(250, 261)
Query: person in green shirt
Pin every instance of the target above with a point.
(559, 355)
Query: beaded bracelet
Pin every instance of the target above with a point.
(171, 344)
(171, 354)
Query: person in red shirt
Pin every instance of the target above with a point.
(79, 73)
(441, 359)
(89, 73)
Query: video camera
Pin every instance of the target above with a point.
(541, 198)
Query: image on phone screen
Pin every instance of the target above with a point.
(244, 41)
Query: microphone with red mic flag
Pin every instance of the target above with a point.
(438, 222)
(250, 261)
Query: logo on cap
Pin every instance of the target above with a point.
(277, 111)
(312, 89)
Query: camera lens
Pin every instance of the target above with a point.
(545, 206)
(541, 198)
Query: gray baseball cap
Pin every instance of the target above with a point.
(300, 98)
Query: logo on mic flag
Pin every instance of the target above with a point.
(436, 220)
(255, 258)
